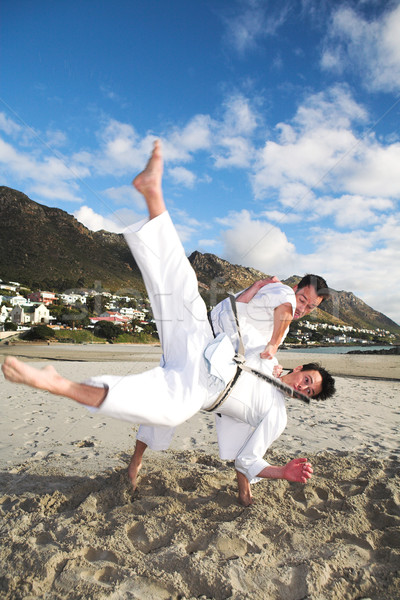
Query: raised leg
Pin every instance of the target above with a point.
(49, 380)
(148, 182)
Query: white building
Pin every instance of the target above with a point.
(33, 314)
(71, 299)
(4, 313)
(18, 300)
(132, 313)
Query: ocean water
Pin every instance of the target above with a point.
(335, 349)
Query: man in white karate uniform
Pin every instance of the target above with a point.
(265, 311)
(196, 366)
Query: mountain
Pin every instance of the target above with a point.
(47, 248)
(345, 308)
(217, 277)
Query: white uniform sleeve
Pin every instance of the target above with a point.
(270, 297)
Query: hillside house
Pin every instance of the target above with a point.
(42, 297)
(112, 317)
(18, 300)
(7, 287)
(4, 313)
(33, 314)
(71, 299)
(133, 313)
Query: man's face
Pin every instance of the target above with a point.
(306, 382)
(306, 300)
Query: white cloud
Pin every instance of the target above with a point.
(361, 261)
(126, 194)
(280, 217)
(186, 223)
(237, 152)
(253, 21)
(233, 135)
(195, 136)
(50, 177)
(375, 171)
(185, 232)
(55, 138)
(334, 108)
(66, 192)
(320, 153)
(182, 176)
(308, 161)
(115, 222)
(369, 47)
(208, 243)
(92, 220)
(8, 125)
(297, 196)
(240, 118)
(179, 144)
(257, 243)
(348, 210)
(119, 150)
(309, 151)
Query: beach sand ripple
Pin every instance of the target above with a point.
(72, 529)
(181, 534)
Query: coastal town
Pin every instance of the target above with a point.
(22, 310)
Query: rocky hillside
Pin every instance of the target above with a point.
(48, 248)
(44, 247)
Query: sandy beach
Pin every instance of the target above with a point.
(72, 527)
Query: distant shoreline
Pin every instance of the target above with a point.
(395, 350)
(299, 347)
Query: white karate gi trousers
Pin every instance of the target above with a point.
(170, 394)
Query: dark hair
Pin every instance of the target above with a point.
(317, 282)
(328, 382)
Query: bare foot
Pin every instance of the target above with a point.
(245, 499)
(133, 472)
(48, 379)
(18, 372)
(148, 182)
(136, 462)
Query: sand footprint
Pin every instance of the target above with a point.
(107, 575)
(146, 538)
(94, 555)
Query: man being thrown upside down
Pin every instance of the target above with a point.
(195, 367)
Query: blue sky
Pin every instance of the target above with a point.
(279, 121)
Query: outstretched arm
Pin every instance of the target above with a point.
(298, 469)
(251, 291)
(282, 318)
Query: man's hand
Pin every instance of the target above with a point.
(282, 319)
(298, 469)
(251, 291)
(277, 370)
(269, 351)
